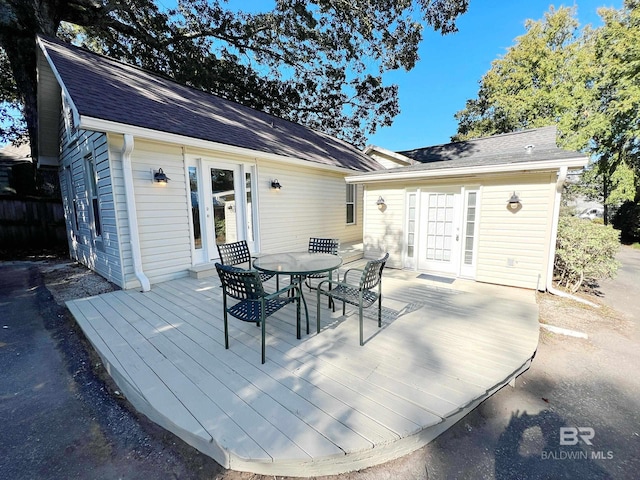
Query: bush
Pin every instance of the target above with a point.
(627, 220)
(585, 252)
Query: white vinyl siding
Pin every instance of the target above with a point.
(161, 208)
(311, 203)
(513, 248)
(385, 225)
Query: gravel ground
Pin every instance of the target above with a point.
(576, 382)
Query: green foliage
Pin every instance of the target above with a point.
(533, 84)
(627, 220)
(319, 62)
(585, 252)
(587, 82)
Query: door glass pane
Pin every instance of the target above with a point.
(249, 209)
(224, 205)
(411, 225)
(195, 208)
(470, 230)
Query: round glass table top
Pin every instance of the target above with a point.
(297, 263)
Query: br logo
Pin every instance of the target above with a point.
(573, 435)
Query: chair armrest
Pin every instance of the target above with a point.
(273, 295)
(344, 277)
(334, 284)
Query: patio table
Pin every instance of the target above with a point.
(298, 265)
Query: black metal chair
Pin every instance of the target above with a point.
(321, 245)
(238, 254)
(363, 294)
(254, 304)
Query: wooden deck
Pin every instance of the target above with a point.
(320, 405)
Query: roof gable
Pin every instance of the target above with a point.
(102, 88)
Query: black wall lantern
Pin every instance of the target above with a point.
(160, 176)
(275, 184)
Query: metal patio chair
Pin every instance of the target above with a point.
(237, 254)
(254, 304)
(321, 245)
(363, 294)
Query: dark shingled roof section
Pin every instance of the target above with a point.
(103, 88)
(501, 149)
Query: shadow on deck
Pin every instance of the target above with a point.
(320, 405)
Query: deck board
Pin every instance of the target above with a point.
(321, 404)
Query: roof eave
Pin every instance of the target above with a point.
(108, 126)
(411, 174)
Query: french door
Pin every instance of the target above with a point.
(223, 206)
(439, 247)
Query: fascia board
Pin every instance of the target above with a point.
(575, 162)
(65, 92)
(100, 125)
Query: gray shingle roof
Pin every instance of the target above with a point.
(105, 89)
(501, 149)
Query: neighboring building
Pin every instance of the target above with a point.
(483, 209)
(109, 128)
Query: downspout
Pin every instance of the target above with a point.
(129, 195)
(562, 175)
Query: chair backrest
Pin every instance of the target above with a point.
(372, 273)
(234, 253)
(324, 245)
(240, 284)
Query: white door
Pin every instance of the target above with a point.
(223, 209)
(439, 238)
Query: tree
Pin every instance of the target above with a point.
(533, 84)
(309, 62)
(585, 82)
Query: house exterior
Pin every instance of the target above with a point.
(448, 209)
(109, 128)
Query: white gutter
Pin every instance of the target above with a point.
(562, 175)
(517, 167)
(129, 196)
(100, 125)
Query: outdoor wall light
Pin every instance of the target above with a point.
(380, 201)
(160, 177)
(275, 184)
(514, 202)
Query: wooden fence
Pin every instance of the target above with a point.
(31, 223)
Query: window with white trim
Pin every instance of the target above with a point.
(351, 203)
(92, 195)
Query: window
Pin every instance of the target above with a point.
(72, 199)
(351, 204)
(470, 228)
(92, 195)
(411, 226)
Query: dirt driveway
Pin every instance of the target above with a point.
(573, 383)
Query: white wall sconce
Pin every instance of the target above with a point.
(514, 203)
(160, 177)
(275, 184)
(380, 201)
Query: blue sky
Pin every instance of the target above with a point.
(450, 67)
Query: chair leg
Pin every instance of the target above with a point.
(379, 311)
(262, 321)
(318, 311)
(361, 333)
(226, 331)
